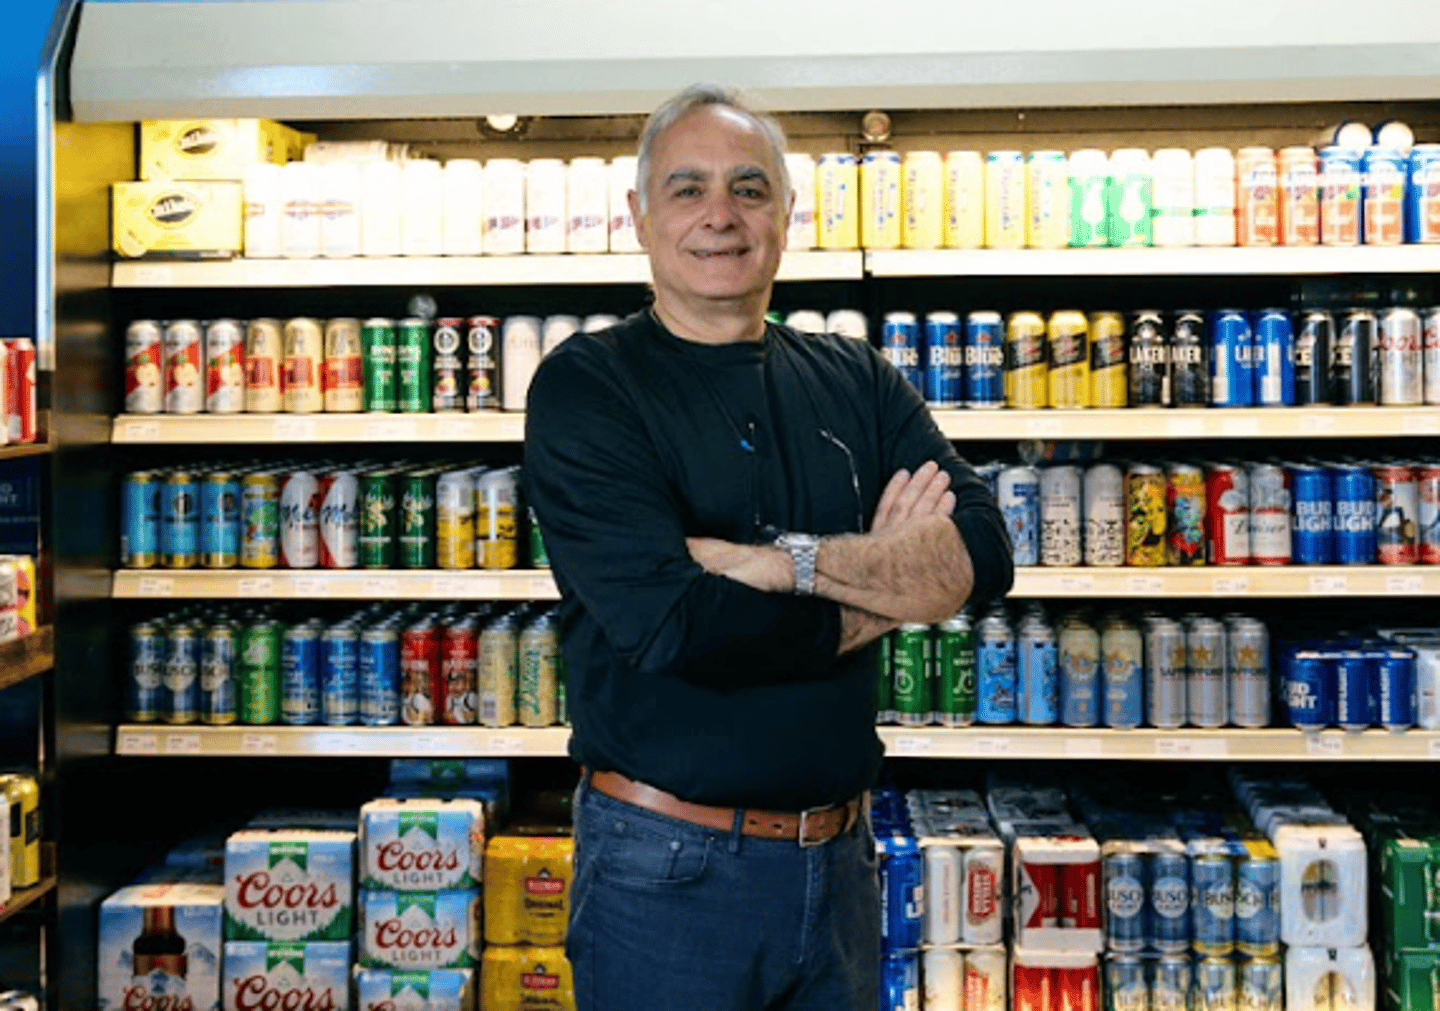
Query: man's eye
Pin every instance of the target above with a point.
(750, 193)
(688, 191)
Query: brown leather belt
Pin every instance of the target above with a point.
(813, 827)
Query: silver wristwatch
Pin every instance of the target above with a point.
(803, 550)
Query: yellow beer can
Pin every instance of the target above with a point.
(526, 979)
(1109, 381)
(880, 200)
(1025, 370)
(922, 189)
(837, 201)
(455, 520)
(24, 795)
(1047, 201)
(527, 889)
(1145, 515)
(1004, 200)
(1067, 340)
(964, 200)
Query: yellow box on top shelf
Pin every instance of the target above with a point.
(177, 220)
(215, 148)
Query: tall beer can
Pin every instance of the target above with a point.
(1149, 360)
(1397, 507)
(1047, 200)
(1185, 499)
(1189, 363)
(1026, 378)
(984, 375)
(463, 218)
(1131, 198)
(1382, 218)
(1214, 197)
(304, 353)
(922, 191)
(143, 359)
(339, 520)
(1312, 358)
(944, 360)
(455, 520)
(519, 358)
(264, 210)
(556, 330)
(880, 200)
(421, 211)
(1353, 358)
(482, 367)
(587, 206)
(995, 670)
(1104, 515)
(1004, 200)
(340, 210)
(184, 375)
(1067, 340)
(1232, 359)
(300, 195)
(801, 232)
(1037, 675)
(447, 368)
(378, 347)
(837, 199)
(1166, 674)
(343, 376)
(1299, 197)
(1422, 195)
(535, 692)
(1274, 358)
(1430, 354)
(264, 359)
(1122, 675)
(1207, 687)
(504, 204)
(964, 200)
(1089, 187)
(300, 521)
(1248, 665)
(1060, 516)
(1109, 376)
(413, 379)
(380, 208)
(1256, 196)
(621, 176)
(1174, 192)
(545, 215)
(498, 671)
(1340, 205)
(1227, 515)
(1269, 514)
(955, 671)
(1019, 501)
(1146, 515)
(224, 367)
(1400, 379)
(1079, 651)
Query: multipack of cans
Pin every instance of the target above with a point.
(488, 664)
(1390, 679)
(366, 515)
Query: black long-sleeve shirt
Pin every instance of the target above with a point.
(694, 683)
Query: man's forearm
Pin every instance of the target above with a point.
(917, 571)
(861, 628)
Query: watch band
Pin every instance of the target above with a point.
(804, 552)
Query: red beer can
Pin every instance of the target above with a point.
(1227, 515)
(419, 673)
(1077, 988)
(1427, 477)
(1030, 987)
(1080, 895)
(1397, 512)
(459, 670)
(20, 378)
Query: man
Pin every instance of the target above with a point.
(720, 684)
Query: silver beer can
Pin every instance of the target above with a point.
(1104, 512)
(1166, 674)
(1206, 688)
(1430, 353)
(1248, 669)
(1060, 515)
(1400, 380)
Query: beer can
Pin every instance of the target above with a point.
(220, 520)
(942, 973)
(1185, 507)
(539, 557)
(1168, 926)
(1212, 909)
(1004, 200)
(224, 367)
(1340, 203)
(1422, 195)
(1149, 360)
(1354, 358)
(1060, 515)
(902, 896)
(482, 364)
(413, 391)
(1215, 197)
(535, 687)
(259, 521)
(1122, 675)
(448, 377)
(520, 353)
(1355, 706)
(1382, 217)
(179, 521)
(964, 200)
(944, 360)
(848, 323)
(378, 526)
(922, 193)
(995, 670)
(144, 672)
(143, 360)
(379, 676)
(1089, 186)
(339, 492)
(1125, 983)
(378, 343)
(1067, 347)
(1130, 198)
(1354, 517)
(340, 676)
(1079, 659)
(587, 206)
(800, 232)
(1313, 341)
(837, 201)
(1427, 484)
(19, 366)
(943, 872)
(1299, 197)
(1124, 904)
(455, 520)
(1308, 677)
(503, 200)
(1207, 702)
(1399, 379)
(1104, 510)
(884, 689)
(984, 372)
(1037, 677)
(1109, 379)
(981, 898)
(1397, 509)
(1145, 491)
(300, 520)
(184, 377)
(1032, 986)
(459, 665)
(1019, 501)
(1274, 359)
(259, 672)
(1047, 200)
(556, 330)
(498, 671)
(1247, 645)
(1257, 196)
(900, 344)
(1232, 359)
(417, 520)
(344, 373)
(1431, 354)
(912, 666)
(1396, 667)
(900, 980)
(140, 527)
(264, 361)
(419, 673)
(1269, 514)
(1261, 984)
(1215, 985)
(1080, 903)
(1166, 674)
(954, 661)
(1257, 905)
(545, 212)
(880, 211)
(300, 676)
(497, 505)
(1174, 172)
(1311, 499)
(1189, 363)
(1026, 372)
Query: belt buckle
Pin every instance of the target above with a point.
(800, 835)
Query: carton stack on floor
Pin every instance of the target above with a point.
(527, 911)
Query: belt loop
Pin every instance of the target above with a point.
(737, 827)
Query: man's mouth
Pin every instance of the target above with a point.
(717, 254)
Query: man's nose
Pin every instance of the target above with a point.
(720, 211)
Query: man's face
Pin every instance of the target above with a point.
(714, 224)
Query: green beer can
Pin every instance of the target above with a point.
(884, 694)
(539, 559)
(1130, 202)
(912, 662)
(417, 520)
(259, 672)
(412, 366)
(955, 671)
(377, 520)
(377, 349)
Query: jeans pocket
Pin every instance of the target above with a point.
(648, 859)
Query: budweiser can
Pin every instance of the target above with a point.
(459, 671)
(1077, 987)
(224, 367)
(262, 366)
(1227, 515)
(343, 392)
(20, 381)
(419, 673)
(183, 391)
(1269, 514)
(304, 353)
(142, 368)
(1040, 896)
(1399, 381)
(339, 520)
(300, 520)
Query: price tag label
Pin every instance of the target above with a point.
(1418, 423)
(1230, 586)
(1083, 747)
(1329, 586)
(992, 745)
(912, 745)
(504, 744)
(1435, 748)
(1241, 427)
(156, 586)
(312, 586)
(1324, 747)
(1321, 421)
(1077, 584)
(1405, 584)
(1146, 586)
(145, 744)
(452, 428)
(140, 431)
(390, 431)
(382, 589)
(449, 587)
(427, 744)
(296, 429)
(148, 276)
(258, 744)
(1184, 427)
(335, 744)
(1190, 747)
(543, 588)
(257, 586)
(182, 744)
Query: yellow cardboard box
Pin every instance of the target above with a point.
(215, 148)
(177, 220)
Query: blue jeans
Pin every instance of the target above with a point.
(666, 915)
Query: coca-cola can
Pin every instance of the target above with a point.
(224, 367)
(459, 670)
(183, 369)
(263, 359)
(1269, 514)
(1400, 382)
(420, 673)
(300, 520)
(143, 394)
(1227, 515)
(339, 493)
(20, 379)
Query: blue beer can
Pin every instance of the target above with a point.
(380, 676)
(900, 981)
(179, 521)
(1309, 687)
(220, 520)
(340, 676)
(1354, 684)
(995, 671)
(984, 360)
(944, 355)
(1354, 517)
(1422, 195)
(1125, 983)
(900, 344)
(1212, 903)
(1215, 985)
(1122, 677)
(144, 672)
(1311, 500)
(180, 684)
(1171, 990)
(1078, 649)
(1038, 676)
(1274, 359)
(140, 527)
(902, 892)
(1257, 905)
(218, 693)
(1019, 501)
(1262, 984)
(1124, 902)
(1395, 671)
(300, 676)
(1232, 360)
(1167, 928)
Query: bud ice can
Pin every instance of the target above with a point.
(1130, 198)
(304, 357)
(1149, 360)
(1146, 515)
(220, 520)
(379, 676)
(1382, 219)
(1025, 366)
(140, 539)
(179, 521)
(1299, 197)
(1269, 514)
(1257, 905)
(412, 367)
(1060, 515)
(1248, 665)
(1399, 379)
(1122, 674)
(300, 521)
(1037, 677)
(1079, 658)
(911, 662)
(1274, 359)
(1427, 482)
(1067, 347)
(259, 673)
(224, 367)
(339, 676)
(1340, 205)
(344, 378)
(1104, 511)
(880, 200)
(944, 357)
(300, 676)
(1189, 362)
(1312, 358)
(339, 520)
(378, 344)
(1354, 519)
(900, 344)
(1166, 674)
(1422, 196)
(837, 195)
(1206, 694)
(482, 369)
(1397, 507)
(1109, 380)
(183, 374)
(955, 671)
(1185, 507)
(1089, 187)
(260, 521)
(984, 372)
(1047, 200)
(144, 672)
(1257, 197)
(963, 216)
(1227, 526)
(1212, 905)
(1214, 197)
(143, 359)
(1311, 496)
(1232, 360)
(995, 671)
(1124, 904)
(1004, 200)
(1019, 501)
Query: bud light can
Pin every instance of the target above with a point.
(1396, 667)
(1019, 501)
(340, 676)
(1399, 380)
(1354, 683)
(995, 670)
(1149, 360)
(220, 520)
(180, 684)
(1354, 519)
(1311, 498)
(1168, 926)
(984, 373)
(1037, 677)
(147, 662)
(1079, 657)
(1352, 358)
(1212, 904)
(902, 892)
(1312, 358)
(944, 353)
(300, 676)
(379, 676)
(1189, 363)
(1257, 904)
(1232, 364)
(1309, 680)
(900, 981)
(1274, 359)
(900, 344)
(218, 694)
(1124, 902)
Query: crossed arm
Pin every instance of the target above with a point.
(911, 567)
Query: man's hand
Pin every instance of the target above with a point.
(764, 568)
(914, 496)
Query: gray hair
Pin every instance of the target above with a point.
(673, 109)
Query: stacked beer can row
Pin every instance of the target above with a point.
(1182, 514)
(1388, 678)
(382, 665)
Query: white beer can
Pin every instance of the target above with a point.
(300, 194)
(264, 363)
(848, 323)
(143, 364)
(1214, 197)
(463, 217)
(224, 367)
(801, 232)
(985, 974)
(1174, 196)
(880, 200)
(922, 197)
(421, 187)
(380, 208)
(943, 972)
(1004, 200)
(519, 357)
(184, 367)
(1047, 200)
(981, 892)
(837, 201)
(556, 330)
(587, 206)
(943, 868)
(622, 223)
(545, 206)
(964, 199)
(264, 210)
(340, 203)
(806, 321)
(504, 203)
(300, 521)
(304, 357)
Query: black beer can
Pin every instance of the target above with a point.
(1189, 361)
(1149, 360)
(1312, 357)
(1352, 358)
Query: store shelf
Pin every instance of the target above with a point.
(1200, 423)
(362, 742)
(25, 658)
(1180, 745)
(1240, 581)
(22, 897)
(354, 584)
(15, 450)
(602, 268)
(236, 429)
(1151, 262)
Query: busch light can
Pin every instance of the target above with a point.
(340, 676)
(1168, 926)
(1274, 359)
(1309, 679)
(1122, 674)
(1215, 985)
(218, 693)
(300, 676)
(1019, 500)
(1262, 984)
(379, 676)
(1124, 902)
(984, 373)
(180, 683)
(1315, 335)
(1037, 677)
(1396, 668)
(1079, 657)
(995, 670)
(1257, 905)
(1311, 500)
(1172, 986)
(1354, 683)
(900, 344)
(1354, 518)
(902, 892)
(1212, 904)
(144, 672)
(944, 353)
(1232, 362)
(1166, 673)
(1125, 983)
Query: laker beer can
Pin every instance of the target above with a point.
(224, 367)
(1149, 360)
